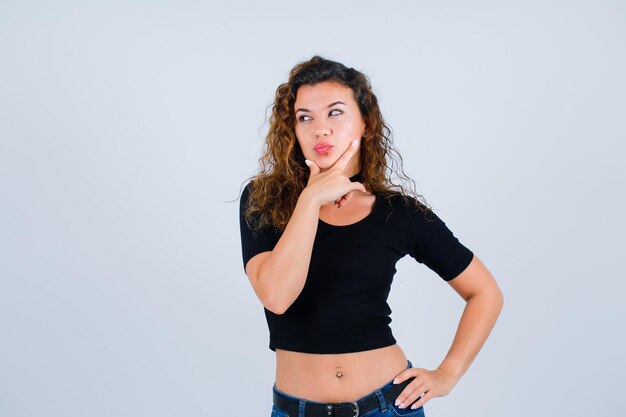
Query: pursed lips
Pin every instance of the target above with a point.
(320, 147)
(322, 150)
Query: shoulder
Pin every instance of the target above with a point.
(405, 204)
(248, 187)
(245, 193)
(244, 201)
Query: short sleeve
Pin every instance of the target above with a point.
(433, 244)
(261, 240)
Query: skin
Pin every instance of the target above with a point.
(321, 118)
(329, 188)
(327, 112)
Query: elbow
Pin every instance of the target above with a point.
(492, 297)
(273, 301)
(266, 294)
(272, 297)
(497, 300)
(277, 302)
(275, 307)
(276, 311)
(497, 296)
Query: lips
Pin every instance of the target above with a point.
(322, 148)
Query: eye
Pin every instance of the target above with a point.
(302, 118)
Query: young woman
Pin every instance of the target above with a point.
(322, 227)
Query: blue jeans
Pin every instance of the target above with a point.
(385, 409)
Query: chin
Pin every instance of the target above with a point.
(326, 164)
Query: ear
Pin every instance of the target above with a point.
(364, 129)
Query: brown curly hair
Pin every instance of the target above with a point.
(283, 174)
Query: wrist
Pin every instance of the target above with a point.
(308, 200)
(450, 371)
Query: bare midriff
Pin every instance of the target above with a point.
(334, 378)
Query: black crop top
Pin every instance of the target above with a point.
(343, 305)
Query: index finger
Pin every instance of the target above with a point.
(343, 160)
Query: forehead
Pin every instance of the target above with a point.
(321, 94)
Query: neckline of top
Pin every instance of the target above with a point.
(355, 178)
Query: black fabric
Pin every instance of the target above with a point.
(343, 305)
(261, 240)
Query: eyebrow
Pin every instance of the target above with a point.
(330, 105)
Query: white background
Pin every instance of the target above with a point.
(127, 127)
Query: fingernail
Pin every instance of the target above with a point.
(397, 402)
(354, 142)
(395, 381)
(306, 161)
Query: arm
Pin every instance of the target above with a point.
(484, 302)
(278, 277)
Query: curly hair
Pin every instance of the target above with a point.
(283, 174)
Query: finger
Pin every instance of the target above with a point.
(416, 393)
(404, 375)
(408, 390)
(422, 400)
(356, 186)
(346, 198)
(343, 160)
(313, 168)
(340, 202)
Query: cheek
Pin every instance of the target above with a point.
(352, 126)
(299, 132)
(299, 142)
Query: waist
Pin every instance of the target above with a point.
(336, 378)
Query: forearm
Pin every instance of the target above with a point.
(478, 319)
(283, 274)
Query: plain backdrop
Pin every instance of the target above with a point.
(128, 128)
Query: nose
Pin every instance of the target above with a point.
(322, 130)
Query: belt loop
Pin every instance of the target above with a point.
(302, 403)
(381, 400)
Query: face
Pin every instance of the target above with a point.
(327, 121)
